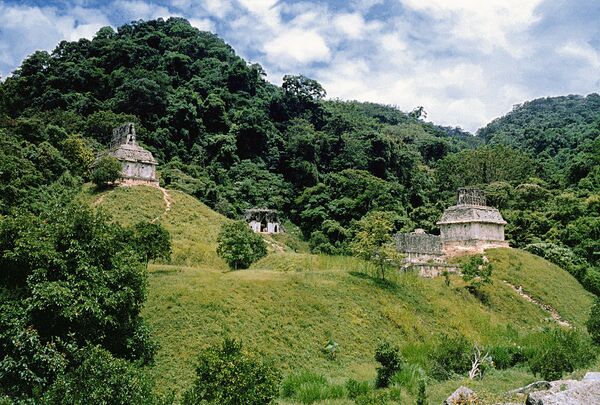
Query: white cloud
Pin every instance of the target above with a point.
(203, 24)
(25, 29)
(297, 46)
(138, 9)
(582, 52)
(484, 24)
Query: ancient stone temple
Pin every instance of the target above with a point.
(263, 220)
(139, 166)
(471, 225)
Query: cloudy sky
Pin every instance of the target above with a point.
(465, 61)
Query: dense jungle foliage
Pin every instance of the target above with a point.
(222, 133)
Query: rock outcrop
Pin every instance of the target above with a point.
(569, 392)
(462, 396)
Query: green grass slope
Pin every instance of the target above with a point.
(287, 303)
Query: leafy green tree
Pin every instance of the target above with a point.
(230, 375)
(477, 272)
(558, 351)
(100, 378)
(152, 240)
(106, 171)
(373, 241)
(593, 322)
(78, 154)
(239, 246)
(390, 360)
(63, 292)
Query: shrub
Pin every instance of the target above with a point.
(591, 281)
(450, 356)
(100, 379)
(422, 394)
(153, 241)
(292, 382)
(106, 170)
(239, 246)
(229, 375)
(561, 256)
(409, 377)
(330, 348)
(506, 356)
(373, 398)
(391, 362)
(477, 272)
(308, 387)
(354, 388)
(556, 351)
(593, 322)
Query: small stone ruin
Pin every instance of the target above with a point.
(263, 220)
(139, 166)
(470, 226)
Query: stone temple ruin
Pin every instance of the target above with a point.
(139, 166)
(263, 220)
(470, 226)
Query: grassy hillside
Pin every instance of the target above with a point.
(286, 304)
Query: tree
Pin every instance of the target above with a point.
(373, 241)
(239, 246)
(229, 375)
(477, 271)
(390, 360)
(100, 379)
(593, 322)
(74, 280)
(153, 241)
(106, 171)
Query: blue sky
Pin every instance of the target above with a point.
(466, 62)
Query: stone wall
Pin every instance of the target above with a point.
(420, 243)
(472, 230)
(136, 170)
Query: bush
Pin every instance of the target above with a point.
(593, 322)
(409, 377)
(292, 382)
(391, 362)
(557, 351)
(422, 394)
(100, 379)
(106, 170)
(451, 356)
(477, 272)
(373, 398)
(229, 375)
(153, 241)
(561, 256)
(239, 246)
(506, 356)
(354, 388)
(591, 281)
(308, 387)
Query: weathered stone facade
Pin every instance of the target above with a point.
(263, 220)
(419, 246)
(471, 226)
(139, 166)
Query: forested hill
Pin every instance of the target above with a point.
(224, 134)
(220, 131)
(563, 129)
